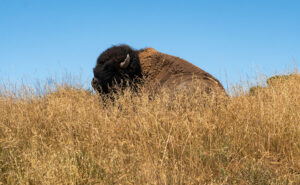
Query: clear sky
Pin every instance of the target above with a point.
(233, 40)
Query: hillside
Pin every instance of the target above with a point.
(69, 136)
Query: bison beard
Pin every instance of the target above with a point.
(123, 66)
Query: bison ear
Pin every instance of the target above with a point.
(125, 63)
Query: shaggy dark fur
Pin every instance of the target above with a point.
(108, 73)
(158, 70)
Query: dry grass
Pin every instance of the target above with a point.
(69, 137)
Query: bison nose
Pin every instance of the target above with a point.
(95, 80)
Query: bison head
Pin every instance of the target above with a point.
(118, 65)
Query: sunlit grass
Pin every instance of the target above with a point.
(67, 135)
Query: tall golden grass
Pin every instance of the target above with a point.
(69, 136)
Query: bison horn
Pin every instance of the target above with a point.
(125, 63)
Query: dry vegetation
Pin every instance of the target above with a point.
(69, 137)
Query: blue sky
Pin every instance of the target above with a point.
(233, 40)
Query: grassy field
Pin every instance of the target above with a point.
(69, 136)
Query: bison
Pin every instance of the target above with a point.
(123, 66)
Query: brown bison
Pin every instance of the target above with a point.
(123, 66)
